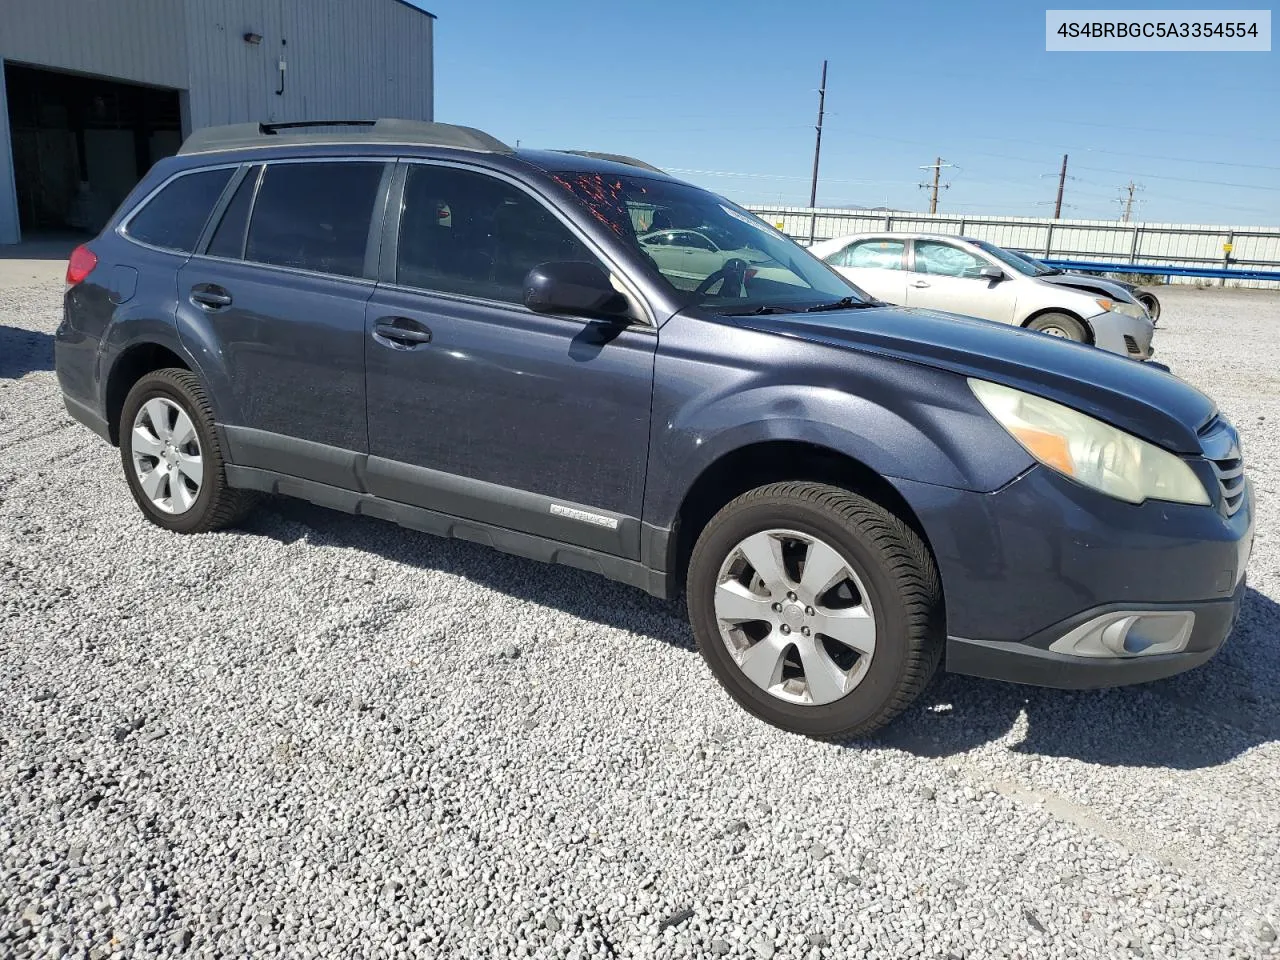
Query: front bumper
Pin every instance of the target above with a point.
(1025, 566)
(1128, 336)
(1032, 662)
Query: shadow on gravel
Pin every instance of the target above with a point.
(1201, 718)
(575, 592)
(22, 351)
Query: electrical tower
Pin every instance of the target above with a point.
(1062, 182)
(817, 152)
(935, 186)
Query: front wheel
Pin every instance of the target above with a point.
(819, 611)
(1060, 325)
(1152, 305)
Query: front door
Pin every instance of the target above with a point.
(945, 276)
(279, 297)
(481, 408)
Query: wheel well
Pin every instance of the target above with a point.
(770, 462)
(130, 367)
(1088, 327)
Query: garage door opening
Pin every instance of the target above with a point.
(80, 144)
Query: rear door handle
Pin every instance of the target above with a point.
(919, 284)
(210, 296)
(400, 332)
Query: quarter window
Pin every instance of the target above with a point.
(174, 217)
(946, 260)
(873, 254)
(228, 239)
(467, 233)
(314, 216)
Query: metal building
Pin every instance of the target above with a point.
(93, 92)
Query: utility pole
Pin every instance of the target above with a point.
(817, 152)
(936, 167)
(1062, 182)
(1128, 200)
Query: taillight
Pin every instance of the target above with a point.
(81, 264)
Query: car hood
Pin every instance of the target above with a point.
(1136, 397)
(1079, 281)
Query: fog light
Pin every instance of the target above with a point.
(1129, 633)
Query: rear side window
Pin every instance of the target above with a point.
(876, 254)
(174, 217)
(314, 216)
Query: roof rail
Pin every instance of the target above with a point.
(616, 158)
(237, 136)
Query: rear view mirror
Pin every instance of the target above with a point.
(573, 286)
(991, 273)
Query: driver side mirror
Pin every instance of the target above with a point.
(573, 286)
(991, 273)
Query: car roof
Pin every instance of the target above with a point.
(896, 234)
(390, 136)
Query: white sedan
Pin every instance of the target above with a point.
(979, 279)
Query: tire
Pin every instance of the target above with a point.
(192, 508)
(1152, 305)
(891, 570)
(1060, 325)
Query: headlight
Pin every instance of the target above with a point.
(1135, 310)
(1090, 451)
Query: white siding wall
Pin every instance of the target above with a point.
(1172, 244)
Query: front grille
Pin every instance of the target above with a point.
(1221, 446)
(1131, 344)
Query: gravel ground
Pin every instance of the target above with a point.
(322, 736)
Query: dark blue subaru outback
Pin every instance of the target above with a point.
(576, 358)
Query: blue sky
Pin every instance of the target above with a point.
(725, 94)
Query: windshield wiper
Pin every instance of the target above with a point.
(756, 311)
(847, 303)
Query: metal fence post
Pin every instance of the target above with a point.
(1226, 256)
(888, 222)
(1048, 242)
(1133, 247)
(962, 226)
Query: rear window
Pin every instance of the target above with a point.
(174, 217)
(314, 216)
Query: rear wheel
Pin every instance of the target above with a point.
(1060, 325)
(172, 459)
(819, 611)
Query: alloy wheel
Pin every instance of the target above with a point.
(166, 455)
(795, 617)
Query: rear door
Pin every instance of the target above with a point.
(482, 409)
(945, 276)
(277, 300)
(877, 266)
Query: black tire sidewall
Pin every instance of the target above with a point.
(160, 385)
(1064, 321)
(878, 688)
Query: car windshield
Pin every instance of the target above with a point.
(713, 253)
(1027, 266)
(1010, 259)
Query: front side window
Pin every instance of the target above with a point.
(174, 217)
(742, 265)
(946, 260)
(873, 254)
(468, 233)
(314, 216)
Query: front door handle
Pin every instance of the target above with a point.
(400, 332)
(210, 296)
(919, 284)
